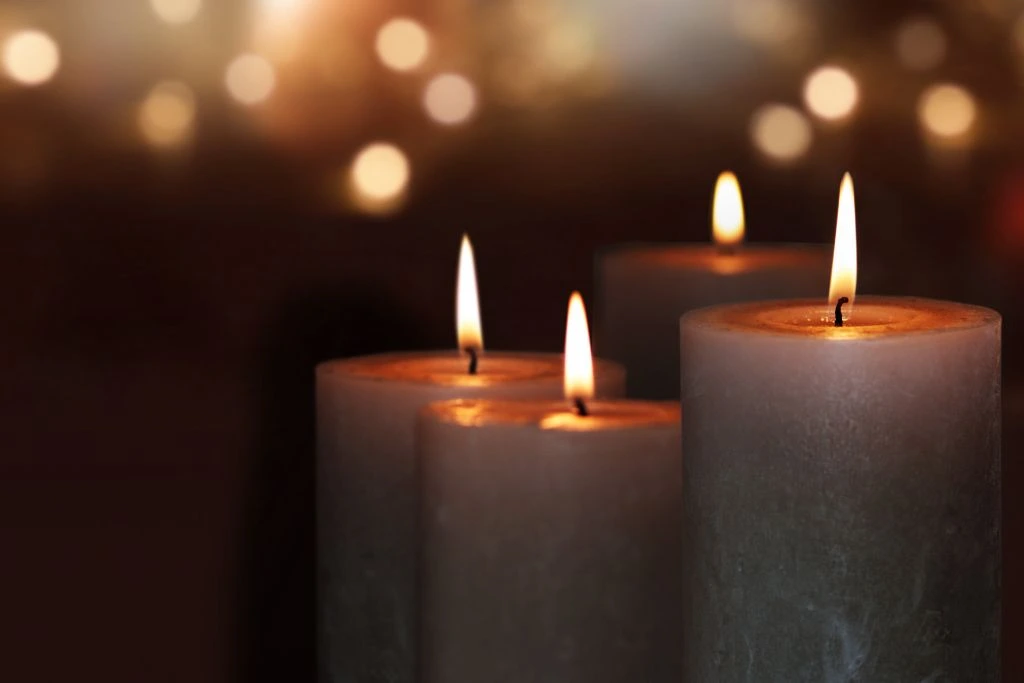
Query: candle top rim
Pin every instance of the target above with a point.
(450, 367)
(550, 415)
(710, 257)
(871, 318)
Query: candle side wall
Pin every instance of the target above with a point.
(842, 506)
(550, 555)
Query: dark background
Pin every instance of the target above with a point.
(163, 309)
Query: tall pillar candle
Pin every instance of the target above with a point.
(551, 544)
(366, 482)
(842, 493)
(643, 289)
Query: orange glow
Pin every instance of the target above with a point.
(947, 111)
(727, 223)
(467, 301)
(579, 362)
(844, 258)
(31, 57)
(402, 44)
(780, 132)
(450, 99)
(250, 79)
(167, 115)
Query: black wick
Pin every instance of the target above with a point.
(474, 360)
(839, 310)
(581, 407)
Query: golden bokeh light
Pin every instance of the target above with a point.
(176, 11)
(402, 44)
(250, 79)
(844, 256)
(31, 57)
(167, 115)
(469, 331)
(379, 177)
(946, 110)
(450, 99)
(769, 23)
(727, 221)
(579, 359)
(780, 132)
(920, 44)
(831, 93)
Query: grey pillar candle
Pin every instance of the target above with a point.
(841, 493)
(643, 289)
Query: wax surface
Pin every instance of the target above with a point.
(644, 289)
(551, 544)
(841, 493)
(367, 492)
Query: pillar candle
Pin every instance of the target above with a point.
(841, 490)
(643, 290)
(366, 482)
(551, 541)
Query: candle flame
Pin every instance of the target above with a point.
(579, 362)
(727, 212)
(467, 301)
(844, 258)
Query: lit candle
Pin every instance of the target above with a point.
(842, 487)
(551, 535)
(644, 289)
(366, 481)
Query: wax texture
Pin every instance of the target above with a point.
(842, 497)
(367, 494)
(551, 549)
(642, 290)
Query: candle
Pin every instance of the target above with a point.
(842, 487)
(551, 536)
(644, 289)
(366, 482)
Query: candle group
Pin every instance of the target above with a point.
(823, 504)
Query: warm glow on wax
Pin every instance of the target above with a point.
(579, 362)
(727, 223)
(467, 301)
(844, 258)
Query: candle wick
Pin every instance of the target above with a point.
(839, 310)
(581, 408)
(474, 360)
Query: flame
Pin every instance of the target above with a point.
(844, 258)
(727, 211)
(579, 363)
(467, 301)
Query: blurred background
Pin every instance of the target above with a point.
(200, 200)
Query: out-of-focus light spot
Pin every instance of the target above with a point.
(1018, 33)
(31, 57)
(920, 44)
(250, 79)
(769, 23)
(780, 132)
(176, 11)
(378, 177)
(947, 110)
(450, 99)
(402, 44)
(167, 114)
(831, 93)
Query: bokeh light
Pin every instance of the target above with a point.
(450, 99)
(167, 115)
(947, 110)
(250, 79)
(780, 132)
(402, 44)
(831, 93)
(379, 176)
(769, 23)
(176, 11)
(920, 44)
(31, 57)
